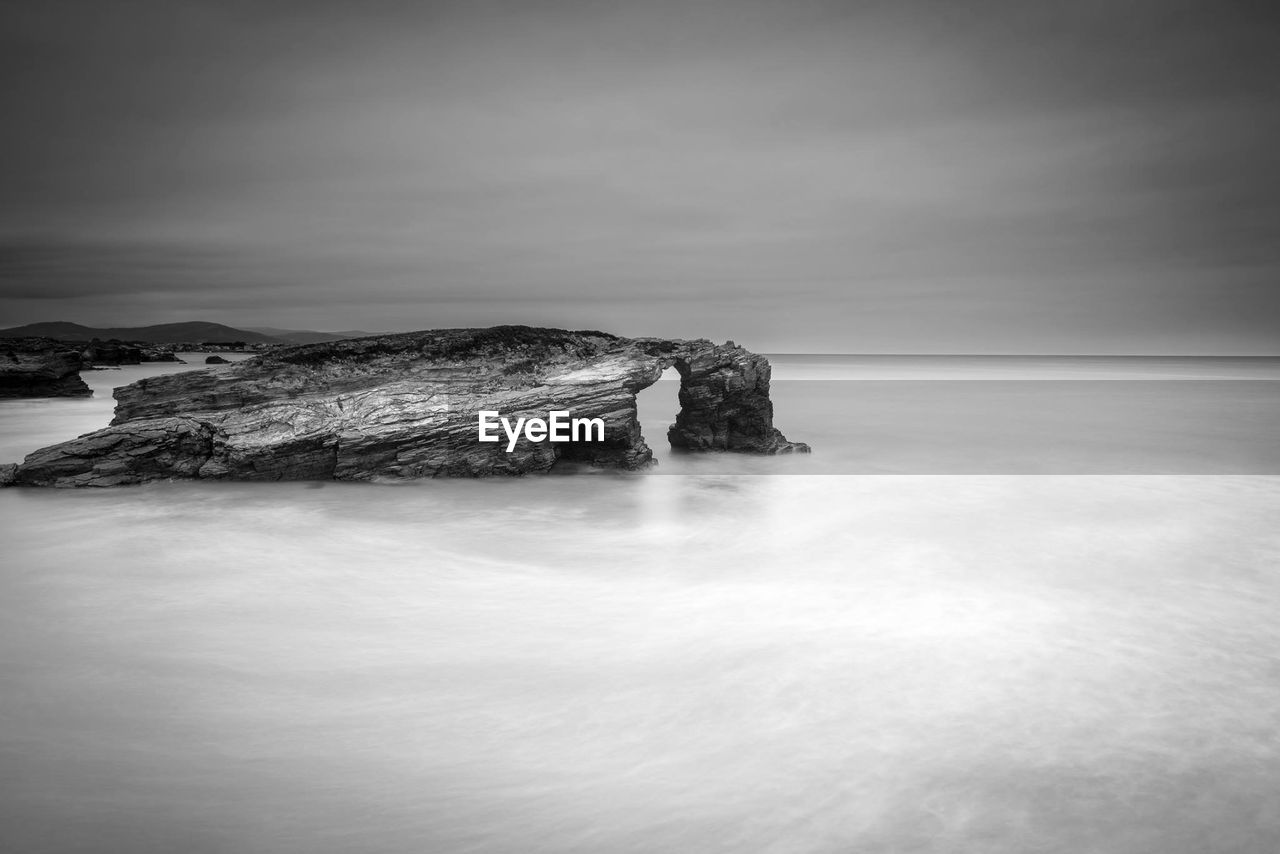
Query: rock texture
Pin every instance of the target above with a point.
(40, 367)
(406, 406)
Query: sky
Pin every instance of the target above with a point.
(799, 176)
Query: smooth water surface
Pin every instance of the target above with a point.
(713, 662)
(916, 415)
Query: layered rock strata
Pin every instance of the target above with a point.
(40, 367)
(407, 406)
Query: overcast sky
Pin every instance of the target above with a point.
(798, 176)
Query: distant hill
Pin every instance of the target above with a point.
(164, 333)
(306, 336)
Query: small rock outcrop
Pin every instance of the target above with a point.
(40, 367)
(216, 360)
(113, 353)
(407, 406)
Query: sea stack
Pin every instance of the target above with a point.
(406, 406)
(40, 367)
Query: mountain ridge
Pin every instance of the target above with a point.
(175, 333)
(309, 336)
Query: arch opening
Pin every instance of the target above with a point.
(657, 406)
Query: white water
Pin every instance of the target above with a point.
(719, 662)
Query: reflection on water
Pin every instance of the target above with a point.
(712, 662)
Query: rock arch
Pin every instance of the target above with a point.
(405, 406)
(724, 399)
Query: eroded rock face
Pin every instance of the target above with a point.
(40, 367)
(406, 406)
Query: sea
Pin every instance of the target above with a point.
(1007, 605)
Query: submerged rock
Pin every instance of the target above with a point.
(407, 406)
(40, 367)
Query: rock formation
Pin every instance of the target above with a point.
(406, 406)
(99, 352)
(40, 367)
(114, 352)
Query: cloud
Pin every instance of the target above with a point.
(951, 173)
